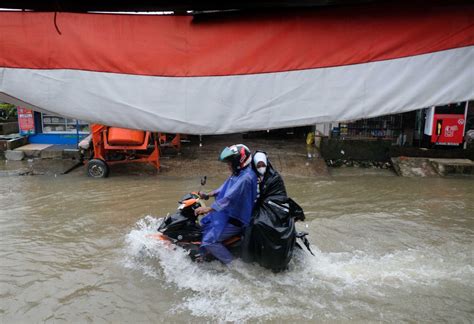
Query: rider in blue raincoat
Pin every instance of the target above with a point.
(232, 209)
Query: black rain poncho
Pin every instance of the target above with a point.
(271, 235)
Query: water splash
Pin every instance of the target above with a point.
(329, 285)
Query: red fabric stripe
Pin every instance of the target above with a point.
(176, 46)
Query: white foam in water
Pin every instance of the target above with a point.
(327, 285)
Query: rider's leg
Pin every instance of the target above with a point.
(218, 249)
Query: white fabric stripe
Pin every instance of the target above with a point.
(227, 104)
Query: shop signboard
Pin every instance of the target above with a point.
(448, 129)
(26, 121)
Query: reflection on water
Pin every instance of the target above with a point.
(386, 249)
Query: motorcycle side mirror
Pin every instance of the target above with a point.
(203, 180)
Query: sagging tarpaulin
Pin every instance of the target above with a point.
(168, 73)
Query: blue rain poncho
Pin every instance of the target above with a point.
(235, 198)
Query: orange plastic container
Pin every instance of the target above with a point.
(124, 136)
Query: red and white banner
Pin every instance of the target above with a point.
(171, 74)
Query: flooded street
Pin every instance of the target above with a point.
(387, 248)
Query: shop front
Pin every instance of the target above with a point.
(50, 129)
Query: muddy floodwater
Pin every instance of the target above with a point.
(392, 249)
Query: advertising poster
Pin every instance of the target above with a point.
(26, 121)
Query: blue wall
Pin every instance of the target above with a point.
(65, 139)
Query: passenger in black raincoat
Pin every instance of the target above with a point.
(271, 236)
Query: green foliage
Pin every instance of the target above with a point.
(7, 112)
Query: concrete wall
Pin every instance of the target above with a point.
(383, 150)
(361, 150)
(8, 128)
(439, 153)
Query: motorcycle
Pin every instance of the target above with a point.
(183, 229)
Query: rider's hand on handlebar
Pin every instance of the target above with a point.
(202, 210)
(203, 195)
